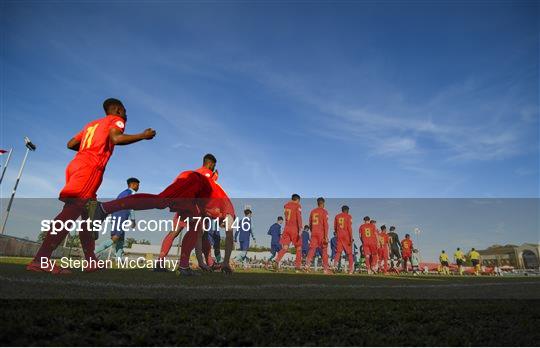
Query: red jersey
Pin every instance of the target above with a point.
(384, 239)
(368, 234)
(406, 246)
(318, 222)
(95, 146)
(293, 216)
(219, 204)
(343, 226)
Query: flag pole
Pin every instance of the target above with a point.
(6, 165)
(29, 147)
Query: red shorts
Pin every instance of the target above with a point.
(346, 245)
(290, 236)
(316, 240)
(370, 249)
(82, 180)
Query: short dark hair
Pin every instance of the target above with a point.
(111, 102)
(209, 158)
(295, 196)
(392, 228)
(366, 218)
(344, 208)
(247, 211)
(458, 248)
(407, 235)
(130, 180)
(383, 228)
(373, 221)
(320, 200)
(306, 227)
(473, 249)
(443, 251)
(280, 218)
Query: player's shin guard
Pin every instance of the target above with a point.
(207, 249)
(52, 241)
(188, 244)
(166, 245)
(298, 259)
(88, 244)
(280, 254)
(309, 257)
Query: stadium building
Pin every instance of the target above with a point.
(525, 256)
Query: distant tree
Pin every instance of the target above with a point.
(129, 242)
(73, 241)
(144, 242)
(41, 236)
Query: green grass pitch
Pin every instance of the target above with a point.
(139, 307)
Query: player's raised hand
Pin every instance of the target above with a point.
(149, 133)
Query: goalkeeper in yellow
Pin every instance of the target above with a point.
(475, 260)
(443, 259)
(459, 257)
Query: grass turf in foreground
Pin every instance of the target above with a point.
(270, 322)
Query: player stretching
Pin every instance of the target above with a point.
(343, 231)
(291, 232)
(94, 145)
(318, 223)
(194, 193)
(384, 250)
(368, 236)
(406, 251)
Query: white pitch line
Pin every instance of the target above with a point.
(100, 284)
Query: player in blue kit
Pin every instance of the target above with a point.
(118, 233)
(275, 235)
(305, 241)
(243, 235)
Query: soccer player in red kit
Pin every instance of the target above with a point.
(318, 224)
(343, 228)
(94, 145)
(368, 236)
(406, 251)
(384, 248)
(219, 201)
(189, 240)
(291, 232)
(192, 194)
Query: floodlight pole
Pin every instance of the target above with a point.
(6, 165)
(29, 147)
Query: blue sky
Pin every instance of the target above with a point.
(348, 99)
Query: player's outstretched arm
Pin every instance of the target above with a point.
(118, 138)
